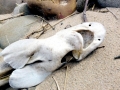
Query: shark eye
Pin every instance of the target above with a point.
(89, 24)
(99, 39)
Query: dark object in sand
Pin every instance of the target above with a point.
(80, 5)
(109, 3)
(118, 57)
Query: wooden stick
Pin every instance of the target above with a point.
(65, 83)
(12, 16)
(58, 21)
(42, 30)
(58, 88)
(112, 13)
(84, 11)
(45, 21)
(93, 7)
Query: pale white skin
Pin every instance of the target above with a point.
(22, 55)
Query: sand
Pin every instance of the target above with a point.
(99, 71)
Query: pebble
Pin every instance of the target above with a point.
(109, 3)
(15, 29)
(80, 5)
(22, 8)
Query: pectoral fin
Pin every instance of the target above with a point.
(28, 76)
(19, 53)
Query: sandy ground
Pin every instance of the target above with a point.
(99, 71)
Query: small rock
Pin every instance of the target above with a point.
(109, 3)
(15, 29)
(80, 5)
(22, 8)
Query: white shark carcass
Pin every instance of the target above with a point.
(35, 59)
